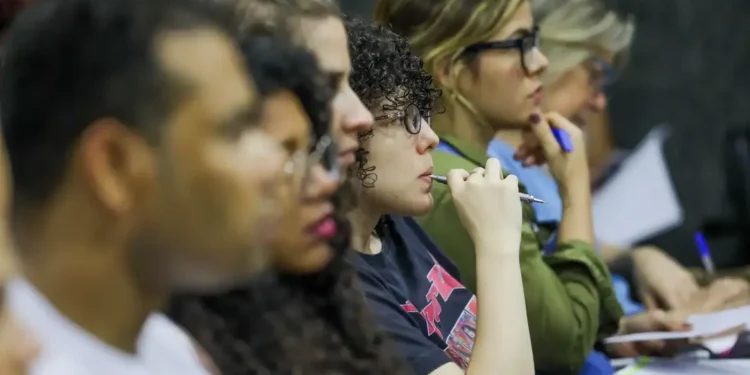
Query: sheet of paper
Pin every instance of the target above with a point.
(689, 367)
(639, 201)
(727, 322)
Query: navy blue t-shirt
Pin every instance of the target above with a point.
(415, 293)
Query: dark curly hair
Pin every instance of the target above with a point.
(383, 67)
(282, 323)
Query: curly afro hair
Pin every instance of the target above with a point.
(384, 68)
(291, 324)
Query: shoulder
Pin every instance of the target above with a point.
(51, 363)
(164, 343)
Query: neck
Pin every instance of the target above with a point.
(458, 121)
(91, 281)
(363, 223)
(513, 137)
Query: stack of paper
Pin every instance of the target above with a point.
(704, 325)
(688, 367)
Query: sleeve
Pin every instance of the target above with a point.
(570, 300)
(423, 355)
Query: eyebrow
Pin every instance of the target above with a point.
(520, 32)
(247, 115)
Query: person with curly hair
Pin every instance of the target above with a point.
(412, 287)
(309, 316)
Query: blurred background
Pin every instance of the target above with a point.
(688, 68)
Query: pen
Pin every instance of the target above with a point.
(524, 197)
(563, 139)
(705, 253)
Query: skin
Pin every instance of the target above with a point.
(285, 119)
(326, 38)
(399, 187)
(479, 82)
(186, 214)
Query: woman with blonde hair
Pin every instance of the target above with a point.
(485, 57)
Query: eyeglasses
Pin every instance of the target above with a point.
(298, 166)
(526, 46)
(601, 74)
(410, 118)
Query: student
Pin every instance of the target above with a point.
(489, 87)
(138, 170)
(414, 290)
(309, 317)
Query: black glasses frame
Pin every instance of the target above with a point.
(404, 116)
(524, 45)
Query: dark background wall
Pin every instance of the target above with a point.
(690, 68)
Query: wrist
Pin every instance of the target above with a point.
(500, 247)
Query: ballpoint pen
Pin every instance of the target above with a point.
(524, 197)
(705, 253)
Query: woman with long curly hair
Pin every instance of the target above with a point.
(412, 287)
(309, 317)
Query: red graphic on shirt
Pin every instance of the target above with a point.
(441, 284)
(409, 307)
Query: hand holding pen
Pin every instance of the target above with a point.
(488, 206)
(553, 140)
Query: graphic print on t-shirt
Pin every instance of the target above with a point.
(459, 340)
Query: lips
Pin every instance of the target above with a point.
(428, 172)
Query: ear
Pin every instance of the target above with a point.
(442, 71)
(116, 162)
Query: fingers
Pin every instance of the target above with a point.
(456, 178)
(512, 181)
(649, 301)
(493, 170)
(476, 175)
(557, 120)
(541, 129)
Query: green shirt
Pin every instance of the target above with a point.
(570, 301)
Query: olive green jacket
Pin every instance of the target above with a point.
(569, 297)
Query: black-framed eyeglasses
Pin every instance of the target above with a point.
(526, 46)
(409, 117)
(299, 164)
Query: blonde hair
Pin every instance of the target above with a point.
(574, 30)
(440, 30)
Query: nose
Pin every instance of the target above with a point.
(540, 63)
(598, 102)
(356, 118)
(320, 185)
(428, 140)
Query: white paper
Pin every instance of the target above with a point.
(639, 201)
(704, 325)
(689, 367)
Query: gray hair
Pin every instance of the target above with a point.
(572, 31)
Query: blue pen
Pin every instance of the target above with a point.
(705, 253)
(563, 139)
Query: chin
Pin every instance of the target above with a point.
(311, 260)
(417, 207)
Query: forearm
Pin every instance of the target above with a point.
(576, 223)
(502, 341)
(564, 316)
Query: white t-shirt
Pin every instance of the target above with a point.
(66, 349)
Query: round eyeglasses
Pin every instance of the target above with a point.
(299, 164)
(409, 117)
(526, 45)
